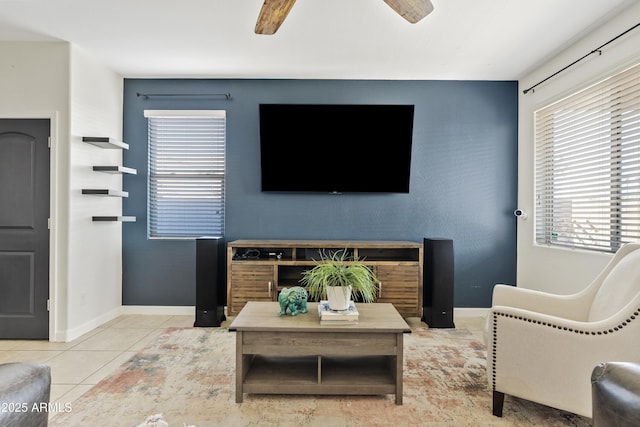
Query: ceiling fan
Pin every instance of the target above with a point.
(274, 12)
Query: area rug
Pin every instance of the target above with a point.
(187, 378)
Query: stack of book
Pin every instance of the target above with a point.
(337, 317)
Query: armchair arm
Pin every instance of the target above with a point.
(575, 306)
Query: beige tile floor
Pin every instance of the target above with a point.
(78, 365)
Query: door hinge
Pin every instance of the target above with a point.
(48, 223)
(49, 141)
(48, 305)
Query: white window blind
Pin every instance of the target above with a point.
(588, 166)
(186, 173)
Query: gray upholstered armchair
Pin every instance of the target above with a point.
(615, 390)
(543, 347)
(23, 385)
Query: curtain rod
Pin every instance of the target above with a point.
(596, 50)
(149, 95)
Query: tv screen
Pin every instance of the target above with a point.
(336, 148)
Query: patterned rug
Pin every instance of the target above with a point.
(188, 376)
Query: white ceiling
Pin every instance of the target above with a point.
(340, 39)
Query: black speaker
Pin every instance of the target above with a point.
(211, 281)
(437, 310)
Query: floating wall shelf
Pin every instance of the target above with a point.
(105, 192)
(105, 142)
(114, 219)
(115, 169)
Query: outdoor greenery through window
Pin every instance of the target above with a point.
(186, 173)
(588, 166)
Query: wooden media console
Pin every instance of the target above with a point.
(258, 269)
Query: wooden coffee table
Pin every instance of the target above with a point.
(296, 355)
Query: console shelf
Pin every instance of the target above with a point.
(258, 269)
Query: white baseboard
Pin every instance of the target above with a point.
(165, 310)
(72, 334)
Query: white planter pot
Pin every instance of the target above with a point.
(338, 297)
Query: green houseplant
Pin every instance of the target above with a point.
(338, 274)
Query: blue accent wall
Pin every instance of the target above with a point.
(463, 180)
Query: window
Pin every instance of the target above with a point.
(186, 173)
(588, 166)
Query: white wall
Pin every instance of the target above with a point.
(539, 267)
(58, 81)
(95, 248)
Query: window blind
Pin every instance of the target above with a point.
(588, 166)
(186, 173)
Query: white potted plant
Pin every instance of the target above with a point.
(337, 277)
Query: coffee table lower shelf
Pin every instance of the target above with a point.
(321, 375)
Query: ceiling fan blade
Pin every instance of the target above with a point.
(272, 15)
(411, 10)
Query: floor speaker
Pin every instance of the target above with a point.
(437, 310)
(211, 279)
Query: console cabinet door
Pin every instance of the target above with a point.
(400, 286)
(250, 282)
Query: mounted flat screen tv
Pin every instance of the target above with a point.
(336, 148)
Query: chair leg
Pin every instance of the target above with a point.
(498, 403)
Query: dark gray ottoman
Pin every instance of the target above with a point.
(24, 393)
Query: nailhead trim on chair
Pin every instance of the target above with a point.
(494, 351)
(551, 325)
